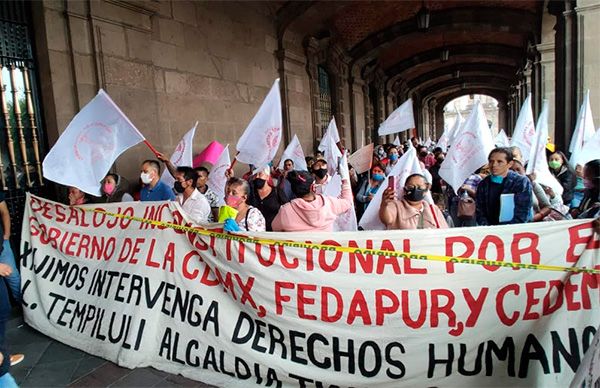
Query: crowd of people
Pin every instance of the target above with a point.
(271, 199)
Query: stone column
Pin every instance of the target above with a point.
(563, 136)
(502, 113)
(588, 31)
(368, 114)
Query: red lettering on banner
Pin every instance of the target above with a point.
(293, 264)
(475, 305)
(570, 291)
(303, 300)
(531, 249)
(589, 281)
(547, 307)
(325, 293)
(279, 297)
(382, 261)
(336, 261)
(499, 256)
(365, 261)
(469, 248)
(437, 308)
(60, 214)
(185, 267)
(587, 241)
(408, 268)
(415, 324)
(169, 258)
(310, 265)
(508, 321)
(359, 309)
(382, 308)
(532, 300)
(259, 256)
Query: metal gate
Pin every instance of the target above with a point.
(21, 142)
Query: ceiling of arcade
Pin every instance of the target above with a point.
(482, 37)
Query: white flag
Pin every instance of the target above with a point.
(428, 142)
(332, 155)
(396, 141)
(449, 133)
(524, 132)
(260, 141)
(361, 160)
(470, 150)
(90, 144)
(332, 131)
(217, 178)
(538, 162)
(399, 120)
(182, 156)
(458, 123)
(345, 222)
(584, 130)
(501, 139)
(294, 151)
(407, 165)
(590, 150)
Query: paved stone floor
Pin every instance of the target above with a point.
(49, 363)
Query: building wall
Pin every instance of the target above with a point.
(588, 14)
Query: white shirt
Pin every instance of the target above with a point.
(196, 207)
(320, 187)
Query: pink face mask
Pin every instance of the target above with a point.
(109, 188)
(233, 201)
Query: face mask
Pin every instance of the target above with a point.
(145, 177)
(440, 160)
(378, 177)
(320, 173)
(496, 178)
(554, 164)
(178, 187)
(580, 184)
(393, 157)
(381, 153)
(414, 195)
(233, 201)
(259, 183)
(588, 183)
(108, 188)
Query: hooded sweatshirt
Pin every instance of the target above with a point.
(319, 215)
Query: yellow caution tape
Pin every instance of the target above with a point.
(364, 251)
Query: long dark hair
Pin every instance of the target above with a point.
(594, 167)
(565, 161)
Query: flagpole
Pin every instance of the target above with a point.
(151, 147)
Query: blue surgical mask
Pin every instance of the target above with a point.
(393, 157)
(378, 177)
(496, 178)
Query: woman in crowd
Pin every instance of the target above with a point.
(310, 211)
(370, 186)
(265, 197)
(559, 167)
(211, 196)
(115, 189)
(540, 204)
(248, 217)
(412, 211)
(393, 155)
(77, 197)
(590, 204)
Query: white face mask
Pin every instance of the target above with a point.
(146, 178)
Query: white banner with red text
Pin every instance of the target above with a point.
(247, 310)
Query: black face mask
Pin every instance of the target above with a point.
(320, 173)
(178, 187)
(414, 195)
(259, 183)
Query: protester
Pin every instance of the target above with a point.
(248, 217)
(436, 179)
(7, 256)
(309, 162)
(579, 189)
(311, 211)
(425, 157)
(370, 186)
(540, 204)
(412, 211)
(211, 196)
(265, 197)
(6, 360)
(153, 188)
(392, 155)
(564, 173)
(516, 153)
(77, 197)
(194, 204)
(440, 202)
(115, 189)
(321, 177)
(590, 204)
(503, 181)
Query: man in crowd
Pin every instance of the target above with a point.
(503, 197)
(194, 204)
(322, 178)
(153, 189)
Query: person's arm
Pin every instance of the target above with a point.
(523, 195)
(5, 214)
(360, 196)
(481, 206)
(170, 166)
(387, 210)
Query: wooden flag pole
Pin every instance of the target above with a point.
(151, 147)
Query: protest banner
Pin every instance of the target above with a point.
(401, 119)
(588, 373)
(584, 130)
(318, 308)
(217, 178)
(501, 139)
(294, 151)
(361, 160)
(524, 131)
(260, 141)
(396, 141)
(210, 154)
(182, 156)
(90, 144)
(332, 131)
